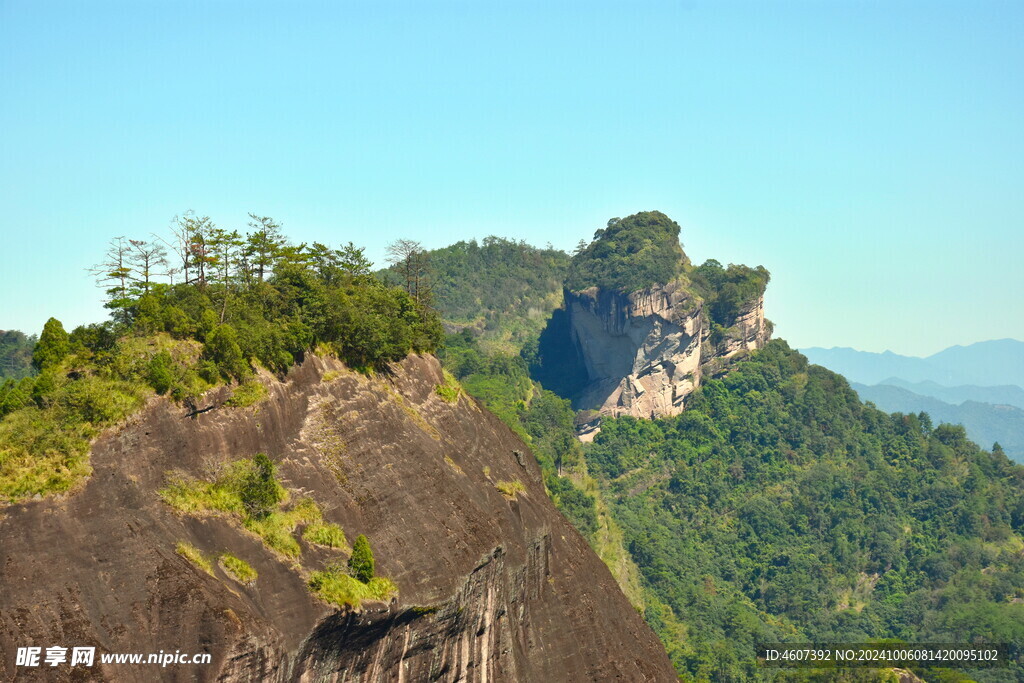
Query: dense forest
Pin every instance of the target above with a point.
(210, 308)
(629, 254)
(503, 290)
(778, 507)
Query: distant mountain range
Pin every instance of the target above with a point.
(988, 364)
(980, 386)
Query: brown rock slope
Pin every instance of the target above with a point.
(513, 592)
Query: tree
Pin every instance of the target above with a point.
(222, 348)
(114, 273)
(148, 259)
(361, 562)
(263, 244)
(53, 345)
(260, 492)
(413, 265)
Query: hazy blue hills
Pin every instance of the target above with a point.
(980, 386)
(1009, 394)
(989, 363)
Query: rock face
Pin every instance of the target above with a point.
(492, 588)
(645, 351)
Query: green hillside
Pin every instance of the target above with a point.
(503, 290)
(778, 507)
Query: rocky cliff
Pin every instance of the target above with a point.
(645, 351)
(643, 343)
(493, 585)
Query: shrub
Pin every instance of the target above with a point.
(361, 562)
(247, 394)
(260, 491)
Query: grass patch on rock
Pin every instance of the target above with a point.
(510, 489)
(326, 534)
(247, 394)
(335, 586)
(195, 556)
(451, 390)
(238, 568)
(248, 492)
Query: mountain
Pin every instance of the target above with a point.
(776, 506)
(1008, 394)
(779, 507)
(265, 463)
(985, 423)
(491, 582)
(641, 326)
(988, 363)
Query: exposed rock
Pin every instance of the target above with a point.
(645, 351)
(491, 589)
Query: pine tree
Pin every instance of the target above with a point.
(53, 345)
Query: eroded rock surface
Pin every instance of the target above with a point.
(491, 588)
(645, 351)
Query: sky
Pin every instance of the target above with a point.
(869, 154)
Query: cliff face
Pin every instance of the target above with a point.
(645, 351)
(491, 588)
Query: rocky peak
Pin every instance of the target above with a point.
(646, 325)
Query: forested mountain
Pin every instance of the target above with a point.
(779, 507)
(503, 290)
(986, 423)
(16, 354)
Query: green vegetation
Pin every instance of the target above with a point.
(510, 489)
(333, 585)
(327, 534)
(727, 290)
(260, 491)
(780, 508)
(53, 346)
(238, 568)
(450, 390)
(501, 290)
(247, 394)
(247, 491)
(16, 354)
(361, 563)
(195, 556)
(221, 303)
(629, 254)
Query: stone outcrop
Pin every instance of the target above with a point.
(645, 351)
(492, 587)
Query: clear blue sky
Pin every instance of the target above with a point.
(868, 153)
